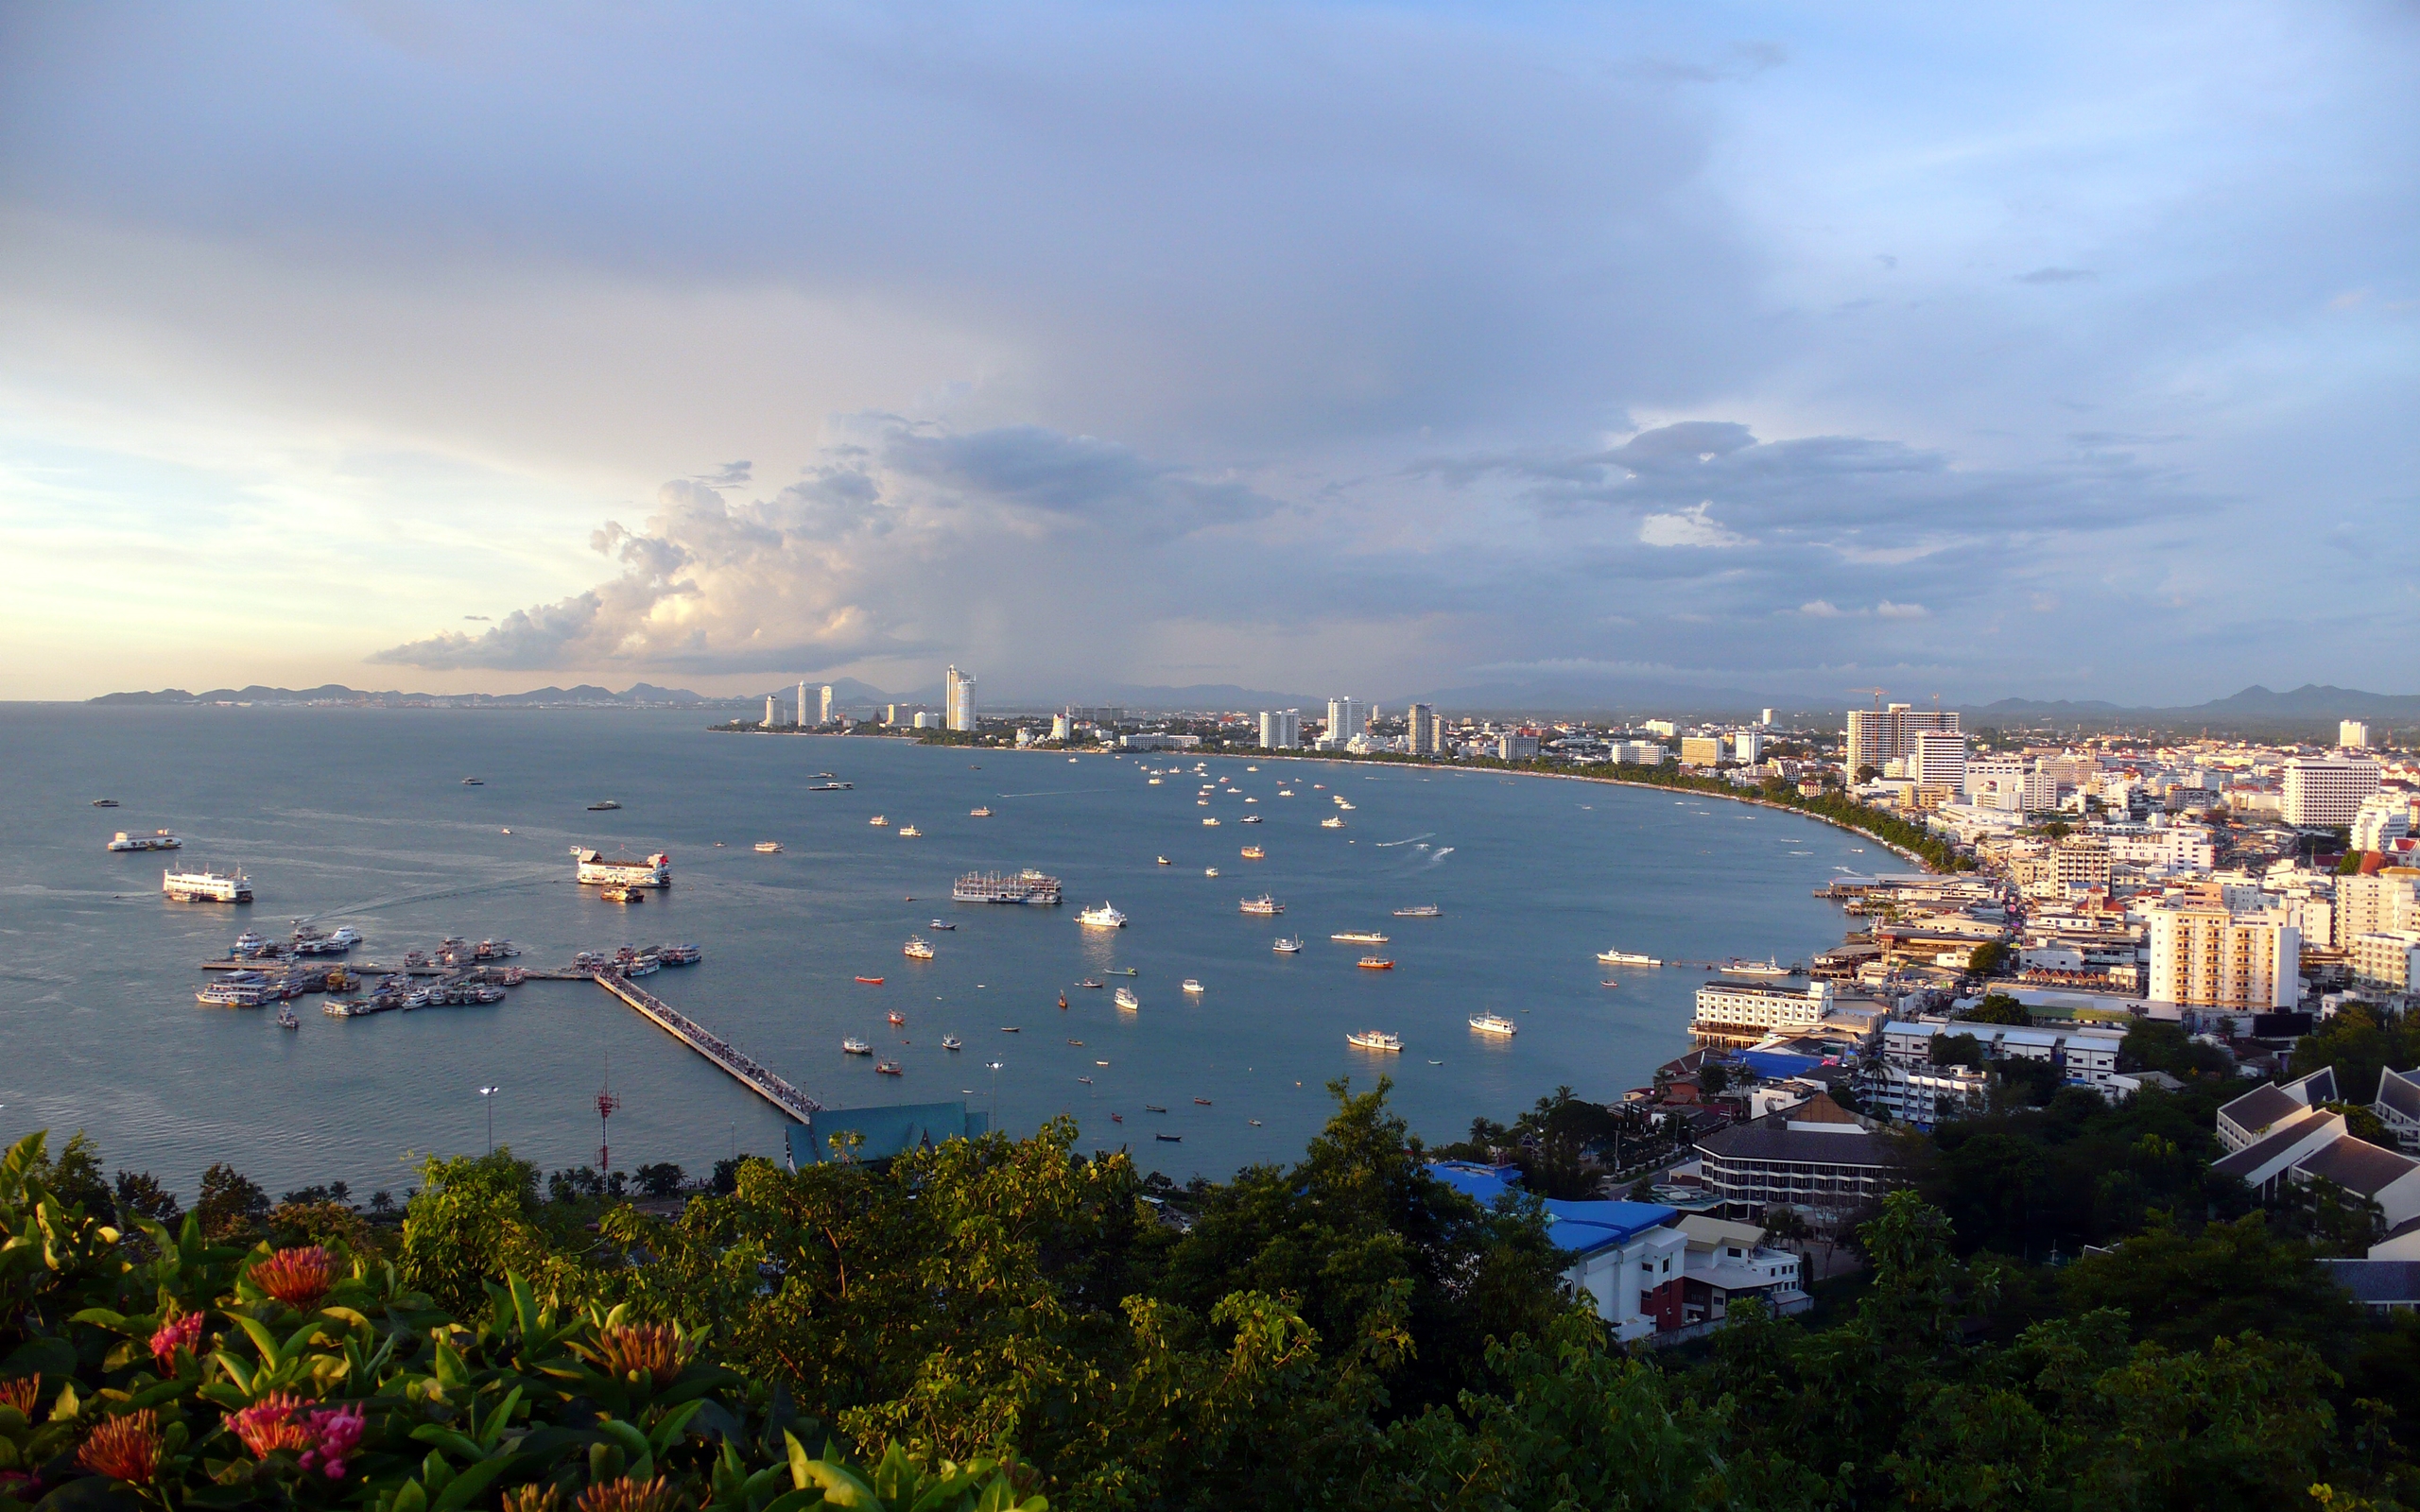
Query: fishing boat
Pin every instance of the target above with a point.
(1086, 1080)
(618, 894)
(911, 832)
(1063, 1000)
(1252, 819)
(1358, 936)
(1127, 1000)
(1153, 1108)
(1421, 911)
(896, 1018)
(1101, 916)
(768, 848)
(1163, 860)
(879, 822)
(104, 802)
(941, 924)
(951, 1042)
(1169, 1139)
(1287, 946)
(1262, 904)
(889, 1068)
(1202, 1101)
(1626, 958)
(983, 813)
(1375, 963)
(1192, 985)
(1332, 822)
(1010, 1028)
(1493, 1024)
(916, 950)
(1373, 1040)
(1117, 1118)
(473, 782)
(1079, 1043)
(1254, 852)
(1211, 819)
(606, 806)
(856, 1047)
(285, 1019)
(871, 981)
(1090, 983)
(1209, 871)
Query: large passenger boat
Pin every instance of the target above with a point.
(1493, 1024)
(156, 840)
(1103, 917)
(1765, 970)
(621, 871)
(1027, 886)
(207, 886)
(1263, 905)
(1373, 1040)
(1358, 936)
(1626, 958)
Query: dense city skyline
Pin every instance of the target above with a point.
(2053, 354)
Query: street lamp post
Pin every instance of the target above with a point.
(486, 1096)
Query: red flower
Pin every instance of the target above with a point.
(270, 1424)
(176, 1333)
(124, 1448)
(298, 1277)
(628, 1495)
(22, 1392)
(336, 1431)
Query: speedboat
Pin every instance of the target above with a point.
(941, 924)
(473, 782)
(1250, 818)
(856, 1047)
(1126, 999)
(1089, 982)
(1163, 860)
(1209, 871)
(951, 1042)
(1287, 947)
(601, 808)
(1191, 984)
(1086, 1080)
(896, 1018)
(1169, 1139)
(1492, 1023)
(1373, 1040)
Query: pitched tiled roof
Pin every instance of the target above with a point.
(2357, 1165)
(1771, 1138)
(2317, 1088)
(2259, 1108)
(2283, 1137)
(2400, 1090)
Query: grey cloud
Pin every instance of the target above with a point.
(729, 475)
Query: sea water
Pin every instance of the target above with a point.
(362, 818)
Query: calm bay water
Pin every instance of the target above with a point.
(360, 818)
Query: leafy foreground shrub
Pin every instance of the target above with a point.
(173, 1372)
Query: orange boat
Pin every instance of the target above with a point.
(889, 1068)
(897, 1017)
(1375, 963)
(871, 981)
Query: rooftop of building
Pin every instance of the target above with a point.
(1575, 1227)
(2399, 1091)
(2357, 1166)
(2282, 1137)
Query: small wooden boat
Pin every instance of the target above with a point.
(871, 981)
(1153, 1108)
(897, 1017)
(1169, 1139)
(1375, 963)
(1203, 1101)
(889, 1068)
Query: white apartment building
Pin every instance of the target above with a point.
(2077, 865)
(2086, 1052)
(2204, 956)
(1638, 752)
(2327, 790)
(1346, 718)
(1922, 1096)
(768, 711)
(2176, 848)
(1937, 758)
(802, 705)
(2352, 734)
(2365, 905)
(1748, 746)
(2388, 958)
(823, 706)
(957, 699)
(1995, 783)
(2382, 817)
(1515, 746)
(1732, 1013)
(1281, 729)
(1876, 737)
(1420, 730)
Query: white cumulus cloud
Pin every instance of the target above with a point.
(1692, 526)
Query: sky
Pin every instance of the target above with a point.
(2052, 350)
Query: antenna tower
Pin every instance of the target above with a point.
(606, 1105)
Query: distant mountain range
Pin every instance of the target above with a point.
(2254, 708)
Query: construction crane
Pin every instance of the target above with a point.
(1877, 693)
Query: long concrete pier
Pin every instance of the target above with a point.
(772, 1088)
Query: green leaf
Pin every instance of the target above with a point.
(472, 1482)
(262, 1340)
(667, 1433)
(796, 1501)
(50, 1357)
(840, 1486)
(461, 1445)
(409, 1498)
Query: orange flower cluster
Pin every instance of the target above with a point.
(22, 1392)
(274, 1423)
(124, 1448)
(298, 1277)
(655, 1350)
(627, 1495)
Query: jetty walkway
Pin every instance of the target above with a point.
(764, 1083)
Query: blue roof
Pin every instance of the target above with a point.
(1781, 1063)
(1576, 1227)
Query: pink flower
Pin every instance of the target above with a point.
(298, 1277)
(336, 1431)
(178, 1333)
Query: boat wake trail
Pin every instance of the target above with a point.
(1439, 854)
(534, 879)
(1407, 839)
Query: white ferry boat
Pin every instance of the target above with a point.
(1358, 936)
(1373, 1040)
(1287, 946)
(856, 1047)
(1421, 911)
(621, 871)
(916, 950)
(879, 822)
(1210, 819)
(1027, 886)
(1331, 822)
(1103, 917)
(1263, 905)
(1626, 958)
(156, 840)
(911, 832)
(982, 812)
(1492, 1023)
(1127, 1000)
(1765, 970)
(239, 989)
(206, 886)
(1192, 985)
(768, 848)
